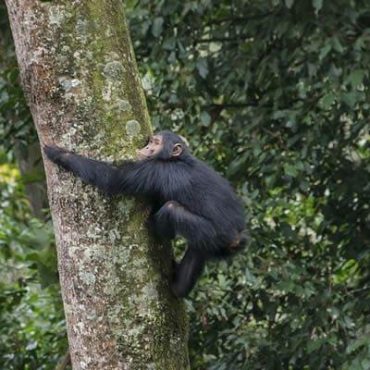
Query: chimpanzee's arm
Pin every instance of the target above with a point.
(104, 176)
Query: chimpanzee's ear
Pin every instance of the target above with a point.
(177, 150)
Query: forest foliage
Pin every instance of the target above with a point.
(275, 95)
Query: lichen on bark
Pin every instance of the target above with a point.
(80, 78)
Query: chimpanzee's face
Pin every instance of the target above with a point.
(152, 148)
(165, 147)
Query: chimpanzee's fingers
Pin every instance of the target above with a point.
(53, 152)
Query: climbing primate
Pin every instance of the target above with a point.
(187, 197)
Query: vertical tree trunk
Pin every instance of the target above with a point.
(81, 82)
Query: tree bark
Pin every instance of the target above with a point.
(81, 82)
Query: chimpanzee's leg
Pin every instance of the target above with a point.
(175, 219)
(187, 272)
(162, 224)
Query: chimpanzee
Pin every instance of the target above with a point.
(188, 198)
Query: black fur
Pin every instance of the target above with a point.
(188, 199)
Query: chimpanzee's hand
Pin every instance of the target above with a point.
(54, 153)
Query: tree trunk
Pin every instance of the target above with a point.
(81, 82)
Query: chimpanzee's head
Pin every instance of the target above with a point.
(163, 145)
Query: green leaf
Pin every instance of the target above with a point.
(327, 100)
(202, 67)
(289, 3)
(290, 170)
(169, 44)
(205, 118)
(317, 4)
(350, 99)
(237, 164)
(325, 51)
(337, 46)
(314, 345)
(356, 77)
(157, 26)
(356, 344)
(365, 363)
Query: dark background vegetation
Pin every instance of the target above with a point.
(275, 95)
